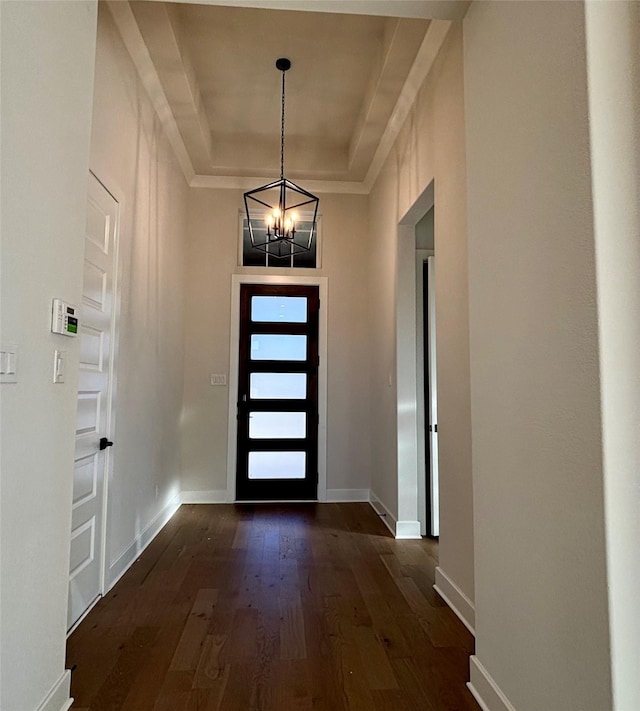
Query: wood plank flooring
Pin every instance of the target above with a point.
(300, 607)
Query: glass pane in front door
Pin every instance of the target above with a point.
(276, 465)
(278, 386)
(279, 309)
(277, 425)
(273, 346)
(278, 393)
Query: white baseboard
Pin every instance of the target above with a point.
(385, 514)
(399, 529)
(59, 698)
(124, 561)
(485, 690)
(337, 496)
(408, 530)
(219, 496)
(215, 496)
(456, 599)
(80, 619)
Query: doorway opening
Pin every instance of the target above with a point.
(417, 435)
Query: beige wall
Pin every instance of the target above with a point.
(431, 147)
(132, 157)
(212, 259)
(381, 294)
(541, 593)
(48, 53)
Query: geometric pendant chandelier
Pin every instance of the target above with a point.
(276, 225)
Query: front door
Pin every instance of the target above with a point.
(278, 393)
(92, 455)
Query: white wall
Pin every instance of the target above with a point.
(541, 598)
(430, 147)
(613, 55)
(213, 256)
(47, 76)
(132, 156)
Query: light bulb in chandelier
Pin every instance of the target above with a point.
(280, 225)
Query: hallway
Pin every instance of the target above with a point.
(274, 607)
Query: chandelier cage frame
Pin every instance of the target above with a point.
(278, 235)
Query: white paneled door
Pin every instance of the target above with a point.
(93, 423)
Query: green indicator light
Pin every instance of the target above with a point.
(72, 328)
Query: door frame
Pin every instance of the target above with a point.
(234, 345)
(408, 521)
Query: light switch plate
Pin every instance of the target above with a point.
(59, 365)
(218, 378)
(9, 363)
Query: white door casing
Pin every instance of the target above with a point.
(95, 395)
(409, 452)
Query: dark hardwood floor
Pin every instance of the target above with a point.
(274, 607)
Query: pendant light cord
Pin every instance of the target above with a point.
(282, 133)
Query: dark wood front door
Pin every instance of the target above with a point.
(278, 393)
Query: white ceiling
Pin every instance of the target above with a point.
(210, 70)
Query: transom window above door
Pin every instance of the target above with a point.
(250, 257)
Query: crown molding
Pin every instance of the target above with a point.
(231, 182)
(418, 9)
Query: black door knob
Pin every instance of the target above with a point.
(104, 443)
